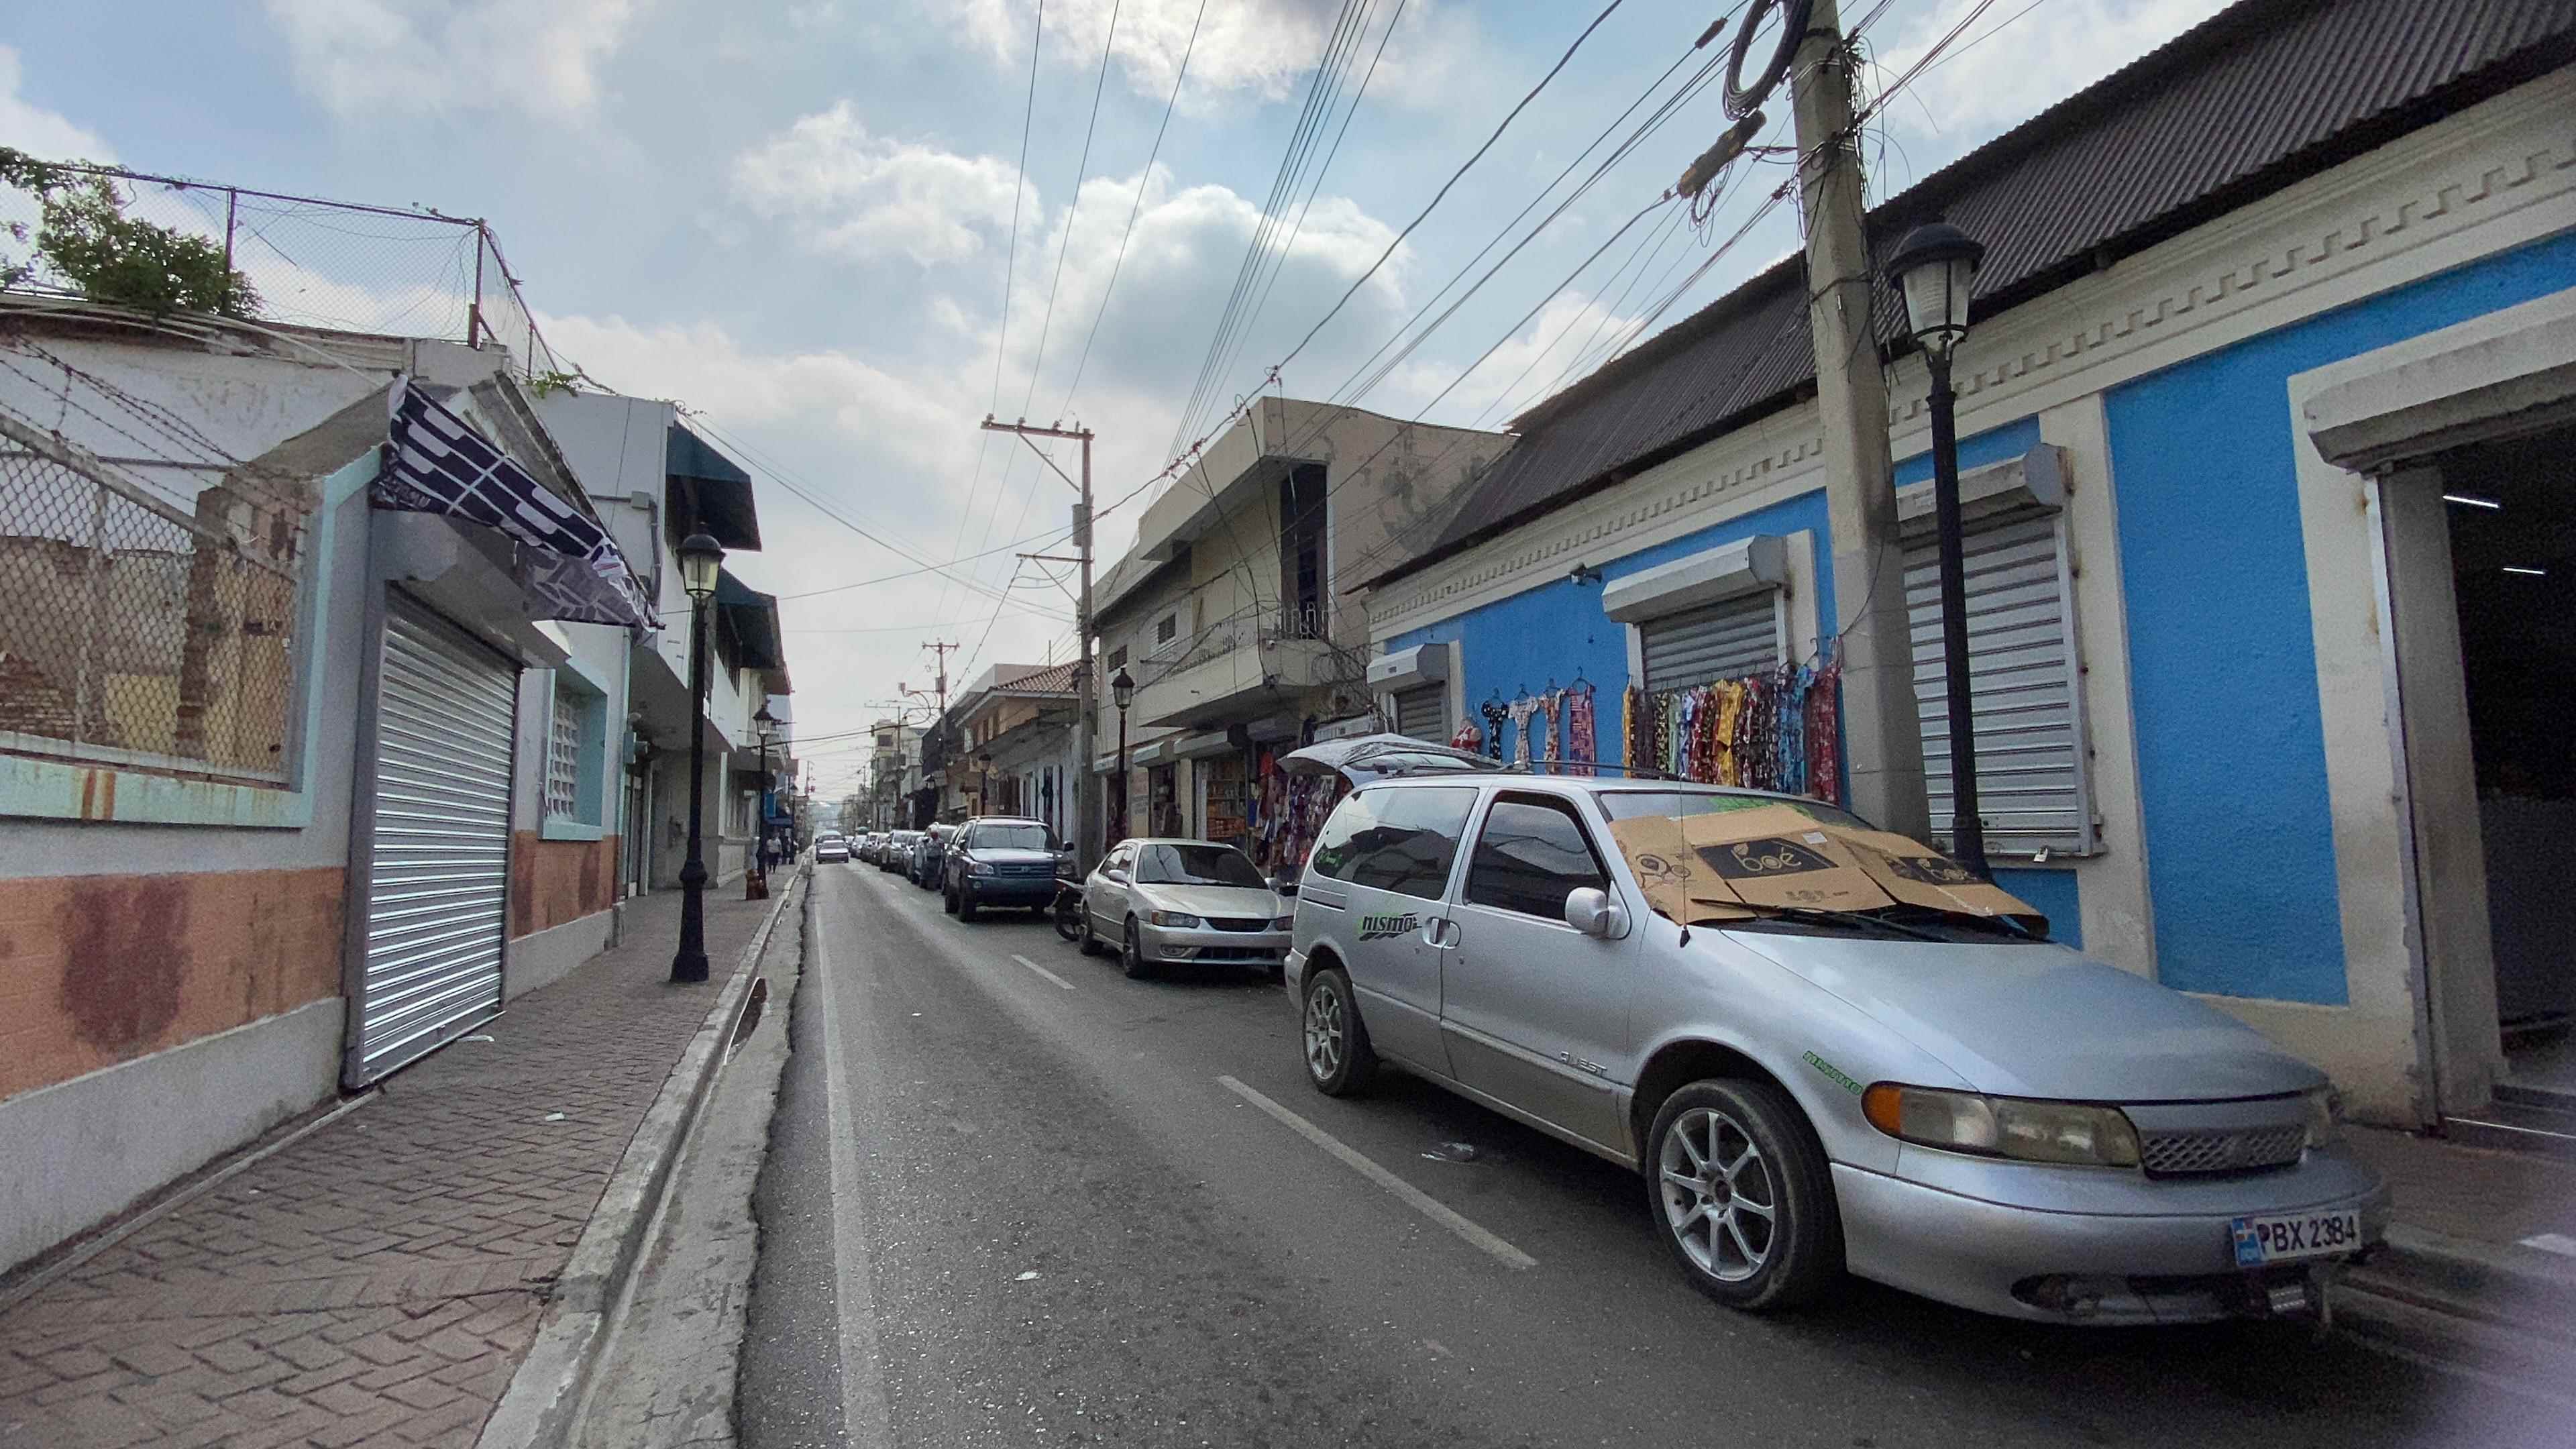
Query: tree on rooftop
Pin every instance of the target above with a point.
(83, 238)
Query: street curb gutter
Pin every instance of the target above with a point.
(538, 1409)
(2500, 1284)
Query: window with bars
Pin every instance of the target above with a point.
(2033, 781)
(576, 746)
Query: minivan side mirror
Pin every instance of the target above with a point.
(1596, 913)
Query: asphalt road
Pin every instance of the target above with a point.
(1063, 1216)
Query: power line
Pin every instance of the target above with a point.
(1143, 177)
(1462, 170)
(1041, 539)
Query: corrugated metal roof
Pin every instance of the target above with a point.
(2262, 94)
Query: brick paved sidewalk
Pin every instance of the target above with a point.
(378, 1281)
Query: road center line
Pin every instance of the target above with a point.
(865, 1418)
(1413, 1197)
(1042, 971)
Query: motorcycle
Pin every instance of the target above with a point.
(1067, 910)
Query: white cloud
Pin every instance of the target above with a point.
(40, 132)
(908, 420)
(1261, 48)
(363, 57)
(863, 196)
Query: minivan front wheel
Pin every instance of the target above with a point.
(1741, 1190)
(1338, 1059)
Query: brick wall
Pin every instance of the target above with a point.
(100, 969)
(554, 881)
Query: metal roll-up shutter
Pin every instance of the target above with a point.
(439, 848)
(1727, 640)
(1422, 712)
(2031, 787)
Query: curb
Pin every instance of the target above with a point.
(2506, 1285)
(541, 1403)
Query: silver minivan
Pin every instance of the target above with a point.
(1949, 1104)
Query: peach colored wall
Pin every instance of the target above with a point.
(554, 881)
(100, 969)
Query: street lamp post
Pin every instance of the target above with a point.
(755, 883)
(1934, 266)
(700, 558)
(1122, 689)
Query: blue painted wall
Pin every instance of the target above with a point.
(2223, 674)
(2055, 894)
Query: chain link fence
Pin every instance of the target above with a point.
(148, 604)
(336, 265)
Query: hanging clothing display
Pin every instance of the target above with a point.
(1580, 741)
(1467, 737)
(1548, 706)
(1497, 714)
(1521, 711)
(1769, 731)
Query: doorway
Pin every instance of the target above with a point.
(2510, 507)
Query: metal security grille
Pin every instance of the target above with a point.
(2176, 1153)
(439, 859)
(2031, 783)
(147, 611)
(1422, 712)
(563, 759)
(1727, 640)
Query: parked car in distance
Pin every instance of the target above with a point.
(1947, 1103)
(863, 845)
(830, 847)
(1001, 861)
(896, 852)
(930, 856)
(1163, 900)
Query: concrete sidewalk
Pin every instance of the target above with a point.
(378, 1280)
(2478, 1234)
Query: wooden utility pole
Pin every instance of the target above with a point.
(1086, 800)
(1882, 732)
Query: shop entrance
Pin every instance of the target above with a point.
(2510, 507)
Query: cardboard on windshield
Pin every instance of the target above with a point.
(1777, 856)
(1921, 876)
(1674, 887)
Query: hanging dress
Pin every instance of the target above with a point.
(1549, 704)
(1581, 743)
(1520, 711)
(1497, 714)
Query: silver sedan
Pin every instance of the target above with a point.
(1158, 901)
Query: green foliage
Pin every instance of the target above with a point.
(547, 384)
(84, 237)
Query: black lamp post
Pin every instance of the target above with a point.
(764, 722)
(700, 558)
(1934, 267)
(984, 783)
(1122, 689)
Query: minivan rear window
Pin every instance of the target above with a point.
(1395, 840)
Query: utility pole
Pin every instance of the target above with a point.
(1088, 828)
(1882, 733)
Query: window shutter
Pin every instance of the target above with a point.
(1423, 712)
(1727, 640)
(2032, 788)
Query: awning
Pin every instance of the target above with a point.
(711, 493)
(435, 462)
(751, 617)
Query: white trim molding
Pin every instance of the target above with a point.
(2491, 178)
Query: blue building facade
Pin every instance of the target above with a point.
(2275, 711)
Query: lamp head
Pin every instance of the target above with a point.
(700, 557)
(1935, 267)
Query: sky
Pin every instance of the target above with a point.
(840, 232)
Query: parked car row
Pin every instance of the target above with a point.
(1825, 1049)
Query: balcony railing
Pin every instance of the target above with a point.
(1312, 621)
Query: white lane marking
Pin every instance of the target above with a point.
(1413, 1197)
(2559, 1243)
(1042, 971)
(865, 1418)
